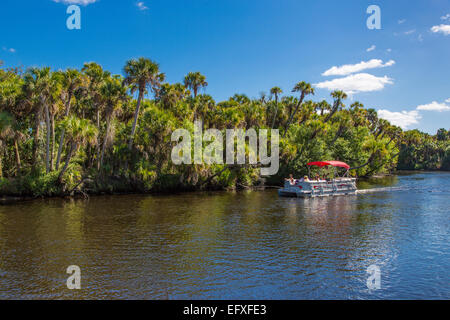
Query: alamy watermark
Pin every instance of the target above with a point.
(74, 20)
(74, 281)
(374, 20)
(374, 280)
(213, 153)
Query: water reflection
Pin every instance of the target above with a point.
(230, 245)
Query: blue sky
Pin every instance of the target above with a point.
(249, 46)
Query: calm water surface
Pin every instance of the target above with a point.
(246, 245)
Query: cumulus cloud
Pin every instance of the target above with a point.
(410, 31)
(401, 21)
(82, 2)
(448, 100)
(360, 82)
(403, 119)
(446, 17)
(371, 48)
(434, 106)
(141, 5)
(353, 68)
(443, 28)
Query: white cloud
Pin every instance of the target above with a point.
(389, 50)
(141, 5)
(82, 2)
(443, 28)
(420, 38)
(371, 48)
(434, 106)
(401, 21)
(446, 17)
(448, 100)
(410, 31)
(360, 82)
(352, 68)
(403, 119)
(11, 50)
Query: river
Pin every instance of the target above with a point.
(233, 245)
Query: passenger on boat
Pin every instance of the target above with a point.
(290, 179)
(305, 178)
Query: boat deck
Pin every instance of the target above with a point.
(319, 188)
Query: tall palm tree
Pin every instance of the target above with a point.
(276, 91)
(195, 81)
(114, 94)
(38, 90)
(338, 96)
(96, 78)
(11, 96)
(70, 80)
(140, 74)
(305, 89)
(78, 131)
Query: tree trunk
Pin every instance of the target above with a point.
(52, 153)
(1, 164)
(293, 114)
(372, 156)
(73, 147)
(108, 123)
(338, 134)
(97, 147)
(61, 139)
(276, 112)
(16, 149)
(37, 123)
(136, 116)
(331, 114)
(47, 144)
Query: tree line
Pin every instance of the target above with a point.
(90, 131)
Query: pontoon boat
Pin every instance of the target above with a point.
(308, 187)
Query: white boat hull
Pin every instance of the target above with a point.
(310, 189)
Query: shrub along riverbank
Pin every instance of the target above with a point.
(88, 131)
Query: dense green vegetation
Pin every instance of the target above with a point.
(88, 131)
(421, 151)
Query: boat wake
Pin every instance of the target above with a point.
(386, 189)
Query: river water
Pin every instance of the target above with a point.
(243, 245)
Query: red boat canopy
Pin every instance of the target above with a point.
(329, 163)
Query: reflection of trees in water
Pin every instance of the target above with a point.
(374, 182)
(42, 238)
(184, 245)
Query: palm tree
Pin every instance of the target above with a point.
(38, 90)
(96, 78)
(275, 91)
(114, 93)
(79, 131)
(305, 89)
(11, 96)
(140, 74)
(195, 81)
(70, 80)
(338, 96)
(323, 106)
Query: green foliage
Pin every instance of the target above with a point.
(87, 130)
